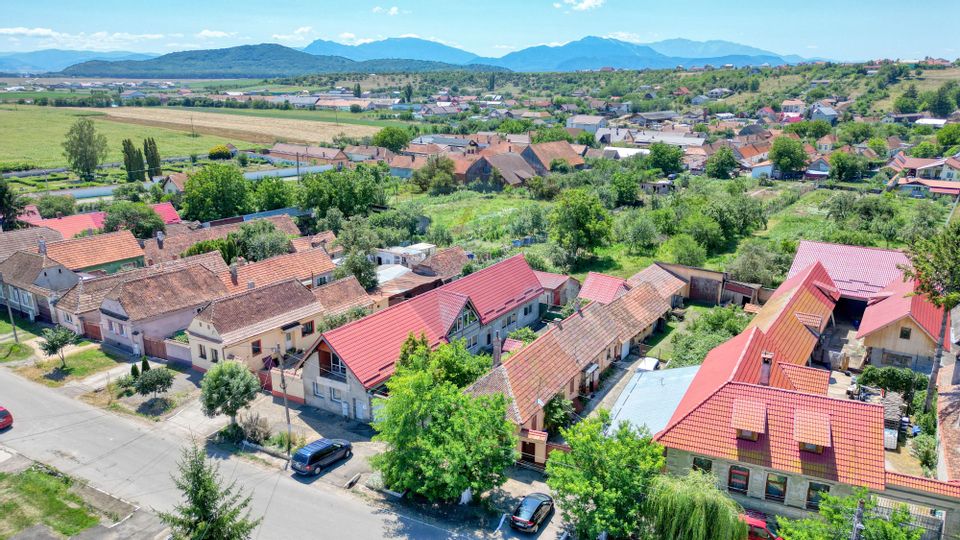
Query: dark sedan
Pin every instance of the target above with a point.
(532, 511)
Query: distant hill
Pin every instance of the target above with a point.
(408, 48)
(57, 59)
(686, 48)
(254, 61)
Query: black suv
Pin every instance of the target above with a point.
(532, 511)
(312, 458)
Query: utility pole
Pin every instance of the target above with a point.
(286, 405)
(858, 525)
(298, 167)
(6, 300)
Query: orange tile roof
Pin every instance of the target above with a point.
(806, 379)
(666, 283)
(928, 485)
(749, 415)
(812, 427)
(99, 249)
(302, 266)
(602, 288)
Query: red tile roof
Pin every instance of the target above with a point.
(858, 272)
(897, 301)
(167, 212)
(99, 249)
(812, 427)
(806, 379)
(603, 288)
(70, 226)
(928, 485)
(499, 288)
(749, 415)
(550, 281)
(302, 266)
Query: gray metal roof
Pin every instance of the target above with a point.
(651, 397)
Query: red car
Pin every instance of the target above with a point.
(758, 529)
(6, 419)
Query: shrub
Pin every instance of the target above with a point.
(219, 151)
(297, 441)
(255, 428)
(925, 450)
(134, 372)
(144, 365)
(232, 433)
(126, 382)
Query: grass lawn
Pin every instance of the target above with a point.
(26, 330)
(33, 497)
(32, 133)
(462, 211)
(343, 117)
(660, 344)
(79, 365)
(14, 352)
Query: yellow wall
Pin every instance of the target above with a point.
(888, 338)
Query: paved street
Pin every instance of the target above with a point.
(134, 461)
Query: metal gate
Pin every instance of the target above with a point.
(154, 347)
(92, 331)
(704, 290)
(927, 520)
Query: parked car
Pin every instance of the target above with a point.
(532, 511)
(758, 529)
(312, 458)
(6, 419)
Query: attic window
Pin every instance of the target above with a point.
(747, 435)
(905, 332)
(749, 418)
(811, 430)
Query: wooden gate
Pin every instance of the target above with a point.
(92, 331)
(704, 290)
(154, 347)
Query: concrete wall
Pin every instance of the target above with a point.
(131, 339)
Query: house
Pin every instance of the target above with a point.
(396, 283)
(602, 288)
(174, 183)
(446, 264)
(764, 169)
(700, 100)
(404, 166)
(100, 253)
(28, 239)
(929, 168)
(92, 222)
(819, 167)
(614, 135)
(79, 307)
(312, 268)
(901, 329)
(901, 118)
(252, 325)
(558, 289)
(170, 247)
(325, 240)
(669, 285)
(567, 361)
(858, 272)
(147, 310)
(512, 168)
(793, 106)
(32, 283)
(542, 156)
(586, 122)
(350, 364)
(826, 143)
(368, 153)
(407, 256)
(825, 113)
(317, 155)
(718, 93)
(921, 187)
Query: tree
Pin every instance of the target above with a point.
(683, 249)
(151, 156)
(691, 507)
(357, 92)
(351, 191)
(154, 381)
(358, 265)
(940, 103)
(755, 263)
(721, 164)
(356, 234)
(408, 93)
(879, 146)
(227, 388)
(847, 167)
(392, 138)
(209, 511)
(637, 230)
(273, 192)
(948, 136)
(216, 191)
(51, 206)
(439, 235)
(133, 161)
(557, 413)
(600, 484)
(437, 166)
(935, 267)
(625, 184)
(84, 148)
(258, 240)
(524, 334)
(144, 364)
(551, 134)
(130, 192)
(355, 108)
(925, 149)
(137, 218)
(840, 206)
(788, 155)
(705, 230)
(11, 204)
(220, 151)
(579, 223)
(667, 158)
(55, 340)
(425, 424)
(834, 521)
(450, 362)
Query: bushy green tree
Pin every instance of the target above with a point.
(637, 230)
(55, 340)
(226, 388)
(259, 240)
(154, 381)
(579, 223)
(84, 148)
(438, 171)
(788, 155)
(216, 191)
(846, 167)
(683, 249)
(138, 218)
(392, 138)
(666, 157)
(352, 191)
(51, 206)
(220, 151)
(11, 204)
(358, 264)
(691, 507)
(272, 193)
(721, 164)
(834, 521)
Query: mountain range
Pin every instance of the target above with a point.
(402, 54)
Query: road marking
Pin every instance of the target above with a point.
(502, 519)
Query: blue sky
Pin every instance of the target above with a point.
(840, 29)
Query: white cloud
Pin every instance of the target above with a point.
(504, 47)
(299, 35)
(29, 32)
(42, 38)
(579, 5)
(214, 34)
(349, 38)
(417, 36)
(629, 37)
(391, 11)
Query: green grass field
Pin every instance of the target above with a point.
(34, 496)
(35, 134)
(359, 119)
(14, 352)
(459, 210)
(79, 365)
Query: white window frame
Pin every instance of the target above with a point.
(336, 395)
(318, 390)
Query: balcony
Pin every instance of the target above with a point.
(333, 375)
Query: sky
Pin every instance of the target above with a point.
(835, 29)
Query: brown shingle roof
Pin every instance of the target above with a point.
(549, 151)
(25, 240)
(90, 251)
(23, 268)
(324, 239)
(158, 294)
(445, 263)
(513, 168)
(342, 295)
(175, 244)
(301, 266)
(249, 307)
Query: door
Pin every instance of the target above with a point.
(288, 340)
(625, 350)
(345, 409)
(528, 451)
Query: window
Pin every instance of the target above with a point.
(815, 492)
(904, 333)
(67, 317)
(472, 342)
(121, 329)
(808, 447)
(335, 395)
(337, 365)
(307, 328)
(776, 487)
(256, 347)
(317, 390)
(747, 435)
(214, 356)
(702, 464)
(739, 479)
(527, 310)
(202, 351)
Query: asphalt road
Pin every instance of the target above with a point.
(134, 461)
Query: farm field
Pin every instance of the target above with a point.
(301, 114)
(34, 134)
(252, 128)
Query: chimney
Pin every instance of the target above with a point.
(497, 349)
(59, 215)
(240, 261)
(160, 237)
(233, 273)
(251, 285)
(42, 247)
(766, 360)
(577, 307)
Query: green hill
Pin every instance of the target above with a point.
(253, 61)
